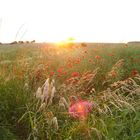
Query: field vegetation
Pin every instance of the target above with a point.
(69, 91)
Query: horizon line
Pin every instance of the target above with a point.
(105, 42)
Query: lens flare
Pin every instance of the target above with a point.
(80, 109)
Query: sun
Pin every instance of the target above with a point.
(67, 43)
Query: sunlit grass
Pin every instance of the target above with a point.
(106, 76)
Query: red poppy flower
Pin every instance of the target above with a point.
(134, 72)
(60, 70)
(75, 74)
(98, 57)
(110, 54)
(65, 73)
(51, 73)
(113, 74)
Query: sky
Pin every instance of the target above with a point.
(57, 20)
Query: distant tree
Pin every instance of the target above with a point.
(20, 42)
(27, 42)
(33, 41)
(14, 42)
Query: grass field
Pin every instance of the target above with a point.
(88, 92)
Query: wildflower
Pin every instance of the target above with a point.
(110, 54)
(51, 73)
(65, 73)
(71, 80)
(98, 57)
(75, 74)
(60, 70)
(80, 109)
(134, 72)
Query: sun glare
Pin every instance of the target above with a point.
(65, 43)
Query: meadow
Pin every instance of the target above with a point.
(70, 91)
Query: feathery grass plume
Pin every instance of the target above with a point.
(38, 93)
(53, 90)
(63, 103)
(42, 107)
(54, 123)
(26, 86)
(61, 106)
(52, 82)
(46, 82)
(119, 63)
(115, 69)
(87, 79)
(46, 90)
(120, 95)
(114, 72)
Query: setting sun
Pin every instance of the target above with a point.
(65, 43)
